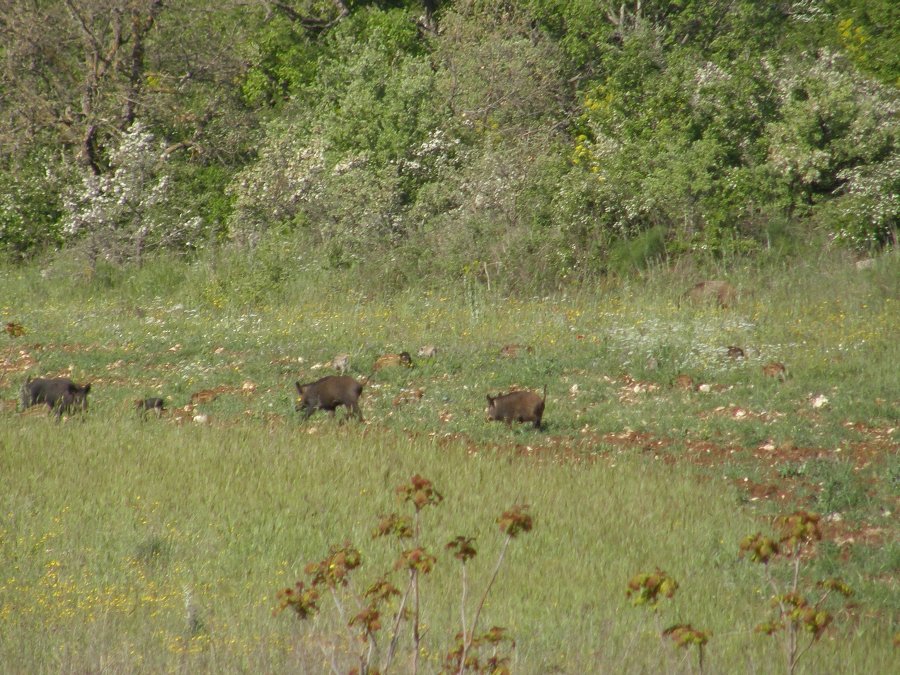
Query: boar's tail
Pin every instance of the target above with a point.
(545, 393)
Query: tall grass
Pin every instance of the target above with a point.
(132, 545)
(109, 529)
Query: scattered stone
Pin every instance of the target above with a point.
(819, 401)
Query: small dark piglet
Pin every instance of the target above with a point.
(517, 406)
(145, 405)
(327, 394)
(59, 393)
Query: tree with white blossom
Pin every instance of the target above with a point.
(123, 213)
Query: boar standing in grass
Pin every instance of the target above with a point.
(393, 360)
(327, 394)
(776, 370)
(723, 293)
(59, 393)
(145, 405)
(513, 351)
(341, 363)
(518, 406)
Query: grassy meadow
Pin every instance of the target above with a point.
(159, 545)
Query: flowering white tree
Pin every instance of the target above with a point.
(121, 213)
(835, 142)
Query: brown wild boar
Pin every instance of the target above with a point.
(341, 363)
(512, 351)
(518, 406)
(392, 361)
(735, 352)
(723, 292)
(204, 396)
(776, 370)
(59, 393)
(145, 405)
(328, 393)
(684, 381)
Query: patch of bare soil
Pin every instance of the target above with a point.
(15, 361)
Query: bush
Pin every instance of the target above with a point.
(30, 207)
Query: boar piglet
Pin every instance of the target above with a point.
(392, 361)
(518, 406)
(327, 394)
(145, 405)
(59, 393)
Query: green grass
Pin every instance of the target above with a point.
(109, 526)
(104, 540)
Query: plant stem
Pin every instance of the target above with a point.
(468, 639)
(462, 602)
(416, 636)
(395, 636)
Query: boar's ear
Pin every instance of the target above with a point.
(87, 388)
(299, 388)
(490, 399)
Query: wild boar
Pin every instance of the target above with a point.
(341, 363)
(427, 351)
(513, 351)
(204, 396)
(683, 381)
(393, 360)
(735, 352)
(776, 370)
(59, 393)
(327, 394)
(518, 406)
(145, 405)
(723, 292)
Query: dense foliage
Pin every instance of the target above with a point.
(524, 143)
